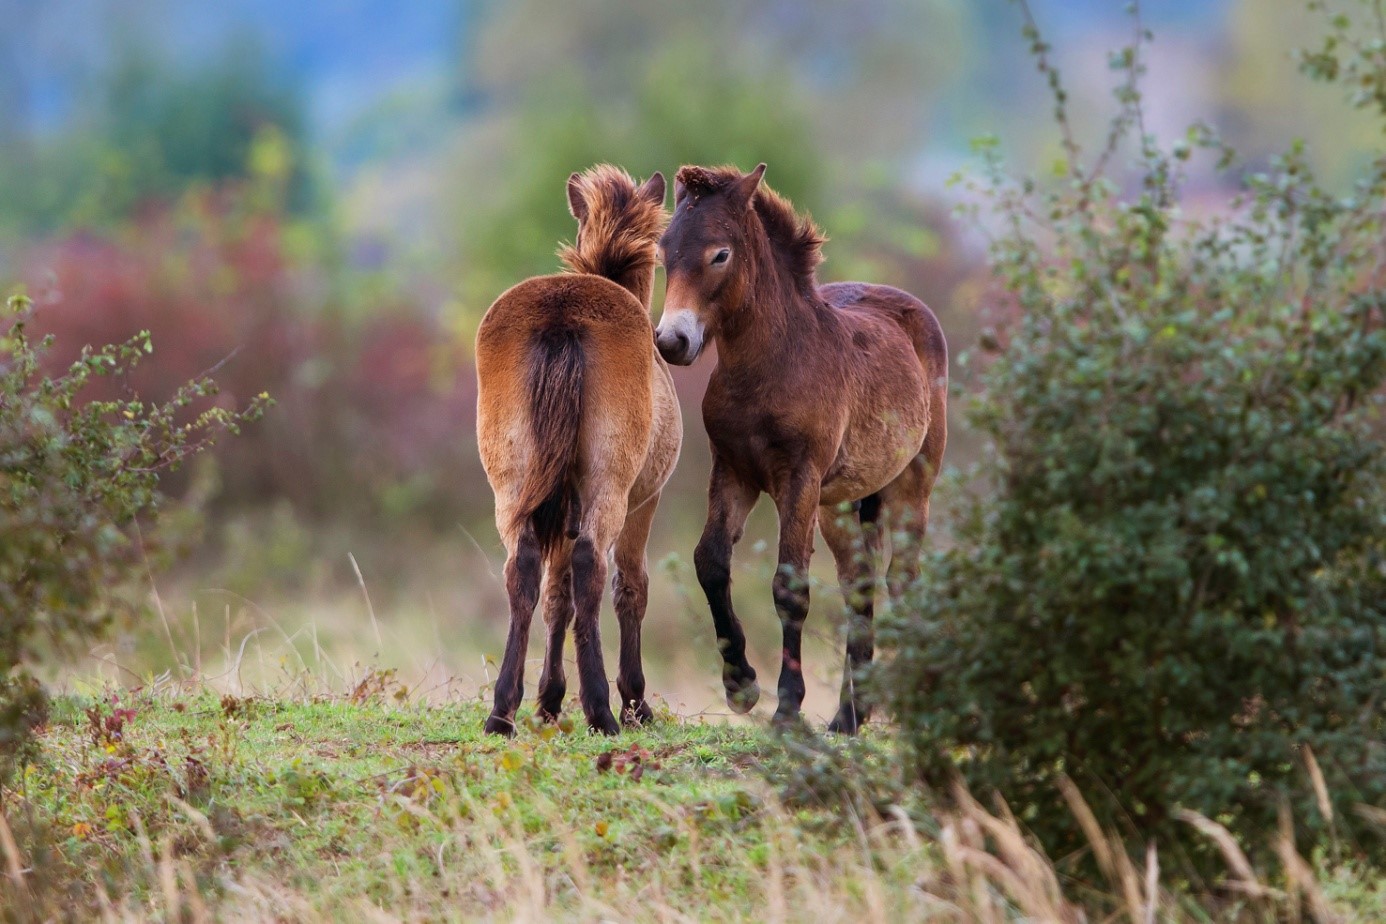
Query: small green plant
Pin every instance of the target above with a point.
(1172, 588)
(77, 477)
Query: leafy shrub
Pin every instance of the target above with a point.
(75, 475)
(1173, 590)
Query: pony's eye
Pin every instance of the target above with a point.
(721, 256)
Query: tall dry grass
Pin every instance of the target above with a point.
(979, 867)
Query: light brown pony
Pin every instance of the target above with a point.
(579, 429)
(832, 399)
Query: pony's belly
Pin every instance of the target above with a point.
(666, 437)
(874, 455)
(854, 485)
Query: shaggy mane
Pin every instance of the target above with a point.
(798, 240)
(621, 230)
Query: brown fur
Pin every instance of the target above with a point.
(547, 498)
(579, 429)
(798, 240)
(832, 399)
(614, 240)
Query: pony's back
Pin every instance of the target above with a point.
(568, 359)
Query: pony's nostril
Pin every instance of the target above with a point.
(675, 346)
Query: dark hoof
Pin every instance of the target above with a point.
(549, 703)
(742, 689)
(786, 721)
(743, 699)
(604, 722)
(637, 715)
(499, 725)
(844, 723)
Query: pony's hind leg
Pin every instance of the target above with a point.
(602, 516)
(906, 500)
(522, 570)
(558, 613)
(855, 540)
(905, 503)
(630, 591)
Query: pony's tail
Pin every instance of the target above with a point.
(548, 497)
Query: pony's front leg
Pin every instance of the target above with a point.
(797, 503)
(729, 503)
(522, 572)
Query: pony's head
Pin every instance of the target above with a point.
(710, 253)
(619, 223)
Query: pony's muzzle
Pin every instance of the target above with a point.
(679, 337)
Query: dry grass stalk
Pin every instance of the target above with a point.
(14, 858)
(1302, 879)
(1152, 883)
(1013, 866)
(1140, 902)
(1320, 786)
(1245, 880)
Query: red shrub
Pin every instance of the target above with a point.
(369, 413)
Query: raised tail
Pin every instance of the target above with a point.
(548, 498)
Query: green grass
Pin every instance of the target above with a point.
(322, 807)
(190, 805)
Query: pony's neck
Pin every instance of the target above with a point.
(638, 281)
(760, 330)
(617, 254)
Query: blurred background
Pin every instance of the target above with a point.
(324, 197)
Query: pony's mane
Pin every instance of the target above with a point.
(798, 240)
(621, 230)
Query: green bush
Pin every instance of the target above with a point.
(76, 477)
(1172, 586)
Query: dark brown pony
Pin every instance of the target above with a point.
(831, 399)
(579, 429)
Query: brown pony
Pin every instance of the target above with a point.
(579, 429)
(831, 399)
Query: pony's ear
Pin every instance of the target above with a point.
(679, 191)
(653, 188)
(576, 204)
(746, 187)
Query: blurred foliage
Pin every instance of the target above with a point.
(653, 86)
(154, 130)
(1175, 594)
(370, 407)
(1263, 101)
(182, 193)
(75, 474)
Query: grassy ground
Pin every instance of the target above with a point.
(186, 804)
(364, 805)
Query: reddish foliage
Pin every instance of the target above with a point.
(363, 407)
(634, 760)
(108, 728)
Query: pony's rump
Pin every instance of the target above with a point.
(548, 497)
